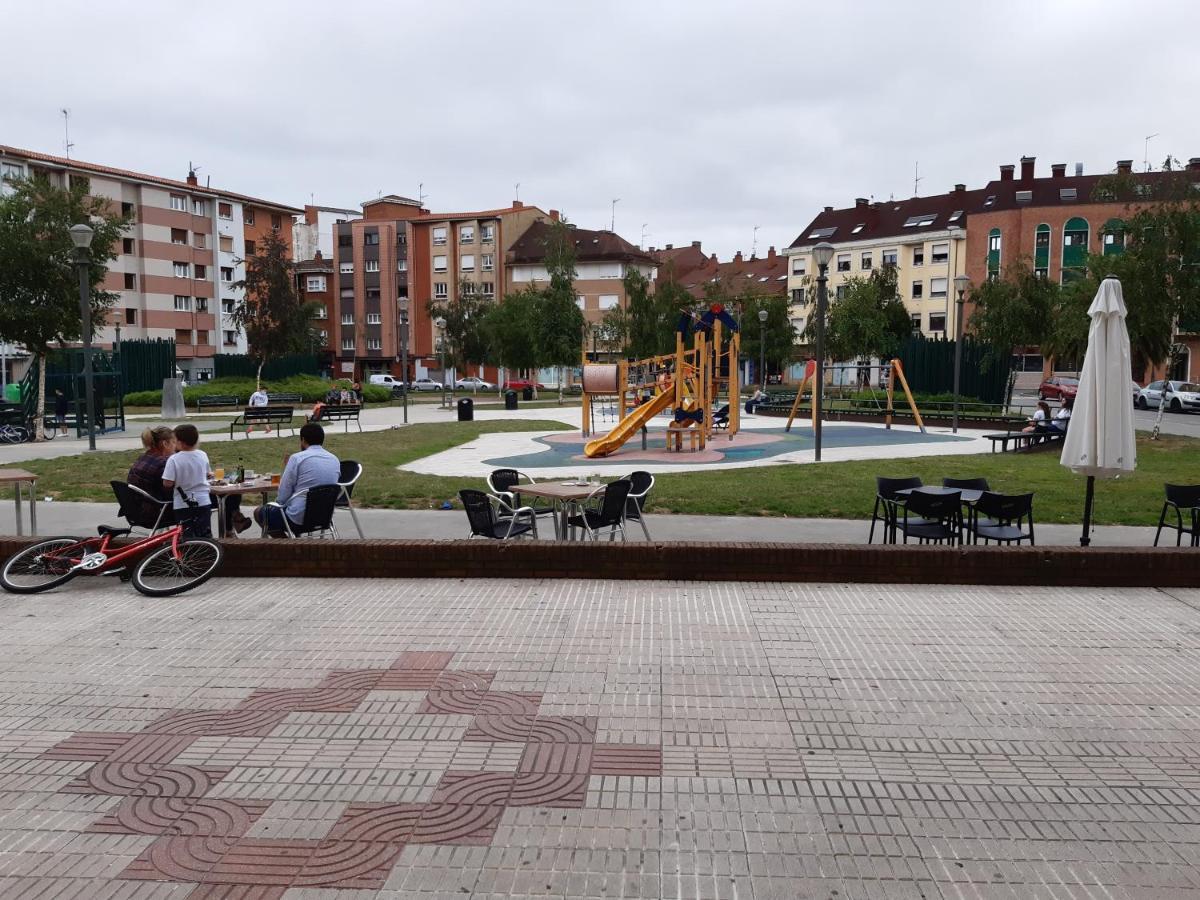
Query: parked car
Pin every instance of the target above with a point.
(1137, 392)
(519, 384)
(1180, 396)
(471, 383)
(1058, 388)
(386, 381)
(426, 384)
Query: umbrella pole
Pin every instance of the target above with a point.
(1086, 539)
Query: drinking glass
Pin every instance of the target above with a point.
(219, 473)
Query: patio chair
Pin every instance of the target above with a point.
(490, 517)
(604, 507)
(1005, 513)
(351, 471)
(140, 509)
(320, 503)
(885, 505)
(940, 518)
(1183, 500)
(635, 504)
(971, 484)
(501, 482)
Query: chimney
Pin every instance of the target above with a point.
(554, 215)
(737, 257)
(1006, 172)
(1058, 170)
(1027, 167)
(191, 179)
(1078, 169)
(1194, 164)
(517, 204)
(860, 202)
(318, 255)
(770, 253)
(1124, 166)
(696, 244)
(829, 209)
(959, 188)
(713, 259)
(670, 247)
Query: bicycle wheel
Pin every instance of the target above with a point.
(161, 574)
(50, 430)
(37, 568)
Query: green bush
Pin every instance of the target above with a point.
(310, 387)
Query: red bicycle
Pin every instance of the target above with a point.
(162, 564)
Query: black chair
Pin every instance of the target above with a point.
(1182, 499)
(1005, 513)
(721, 417)
(971, 484)
(351, 471)
(940, 517)
(609, 511)
(320, 503)
(886, 498)
(141, 509)
(505, 484)
(485, 520)
(635, 503)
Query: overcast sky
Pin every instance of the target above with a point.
(706, 119)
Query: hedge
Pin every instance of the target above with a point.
(309, 387)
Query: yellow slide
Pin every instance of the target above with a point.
(630, 425)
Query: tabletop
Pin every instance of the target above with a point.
(968, 495)
(556, 490)
(10, 476)
(257, 486)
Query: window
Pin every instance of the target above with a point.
(955, 216)
(250, 247)
(487, 234)
(127, 210)
(439, 235)
(1041, 251)
(843, 262)
(226, 243)
(345, 240)
(314, 283)
(225, 210)
(182, 270)
(1114, 237)
(990, 201)
(918, 290)
(466, 234)
(865, 262)
(439, 264)
(402, 265)
(200, 240)
(371, 265)
(130, 316)
(915, 318)
(321, 312)
(127, 246)
(229, 338)
(374, 319)
(889, 257)
(469, 288)
(200, 207)
(609, 301)
(178, 235)
(818, 234)
(798, 296)
(248, 216)
(918, 256)
(347, 343)
(841, 291)
(920, 221)
(467, 262)
(371, 238)
(939, 253)
(857, 228)
(346, 268)
(183, 336)
(179, 202)
(182, 303)
(993, 255)
(201, 271)
(938, 287)
(348, 294)
(937, 321)
(227, 307)
(439, 290)
(324, 336)
(374, 344)
(347, 318)
(487, 261)
(1024, 196)
(202, 304)
(372, 293)
(130, 281)
(1067, 194)
(487, 288)
(227, 274)
(276, 221)
(1075, 246)
(799, 266)
(580, 301)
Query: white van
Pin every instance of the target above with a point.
(386, 381)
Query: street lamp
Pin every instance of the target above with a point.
(822, 254)
(404, 352)
(763, 315)
(961, 283)
(81, 237)
(440, 324)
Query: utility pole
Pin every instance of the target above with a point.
(67, 145)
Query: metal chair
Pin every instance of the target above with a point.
(320, 503)
(940, 518)
(1181, 498)
(635, 504)
(137, 507)
(490, 517)
(1005, 513)
(971, 484)
(505, 483)
(609, 510)
(350, 473)
(885, 505)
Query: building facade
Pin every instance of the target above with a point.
(316, 284)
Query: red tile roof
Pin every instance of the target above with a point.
(590, 246)
(756, 275)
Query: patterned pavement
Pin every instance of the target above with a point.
(315, 740)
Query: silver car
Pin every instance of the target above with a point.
(1179, 396)
(471, 383)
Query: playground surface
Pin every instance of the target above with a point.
(385, 739)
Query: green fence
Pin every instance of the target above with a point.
(238, 365)
(145, 363)
(929, 368)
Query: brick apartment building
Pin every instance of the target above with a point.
(180, 258)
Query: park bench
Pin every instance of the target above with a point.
(1024, 440)
(289, 399)
(280, 416)
(344, 413)
(217, 400)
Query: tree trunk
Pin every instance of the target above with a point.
(39, 420)
(258, 375)
(561, 373)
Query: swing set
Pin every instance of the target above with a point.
(893, 369)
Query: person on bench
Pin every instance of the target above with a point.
(1040, 420)
(258, 400)
(312, 467)
(757, 400)
(1062, 418)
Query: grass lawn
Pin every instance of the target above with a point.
(831, 490)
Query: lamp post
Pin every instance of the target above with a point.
(961, 283)
(81, 237)
(763, 315)
(404, 352)
(440, 324)
(822, 254)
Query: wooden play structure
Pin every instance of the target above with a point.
(896, 371)
(700, 385)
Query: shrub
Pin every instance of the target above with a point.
(310, 387)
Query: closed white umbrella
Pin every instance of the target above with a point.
(1100, 439)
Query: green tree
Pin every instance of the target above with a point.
(508, 328)
(778, 333)
(613, 331)
(559, 321)
(465, 338)
(275, 320)
(643, 315)
(1016, 310)
(868, 320)
(39, 282)
(671, 300)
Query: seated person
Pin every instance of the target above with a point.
(146, 473)
(758, 399)
(1062, 418)
(1040, 420)
(186, 476)
(312, 467)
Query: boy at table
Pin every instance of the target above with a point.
(186, 476)
(312, 467)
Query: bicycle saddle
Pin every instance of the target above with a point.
(112, 531)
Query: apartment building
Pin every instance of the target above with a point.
(315, 284)
(315, 232)
(180, 258)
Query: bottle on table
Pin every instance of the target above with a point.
(241, 471)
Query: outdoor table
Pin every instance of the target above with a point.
(261, 485)
(561, 493)
(968, 497)
(18, 478)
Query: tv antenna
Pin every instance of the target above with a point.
(517, 191)
(612, 225)
(67, 145)
(421, 195)
(1146, 157)
(754, 242)
(917, 178)
(642, 243)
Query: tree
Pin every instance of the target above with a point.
(466, 342)
(614, 330)
(508, 328)
(868, 320)
(559, 321)
(1016, 310)
(778, 332)
(39, 282)
(275, 320)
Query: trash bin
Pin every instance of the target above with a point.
(510, 399)
(466, 409)
(12, 392)
(527, 393)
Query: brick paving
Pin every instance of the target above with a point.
(316, 740)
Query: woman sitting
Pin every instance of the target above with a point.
(1063, 417)
(146, 474)
(1040, 420)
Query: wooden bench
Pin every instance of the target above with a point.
(1024, 440)
(285, 399)
(344, 413)
(217, 400)
(263, 415)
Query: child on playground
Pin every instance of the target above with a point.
(186, 476)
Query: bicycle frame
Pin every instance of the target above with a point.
(94, 558)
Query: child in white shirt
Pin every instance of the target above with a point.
(186, 477)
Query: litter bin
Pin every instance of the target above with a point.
(510, 399)
(527, 393)
(12, 392)
(466, 409)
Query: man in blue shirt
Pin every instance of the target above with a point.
(312, 467)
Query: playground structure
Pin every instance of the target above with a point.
(692, 382)
(894, 370)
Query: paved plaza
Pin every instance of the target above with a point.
(316, 740)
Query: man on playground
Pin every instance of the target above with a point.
(257, 400)
(312, 467)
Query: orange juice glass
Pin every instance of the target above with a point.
(274, 479)
(219, 473)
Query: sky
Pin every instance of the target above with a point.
(706, 120)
